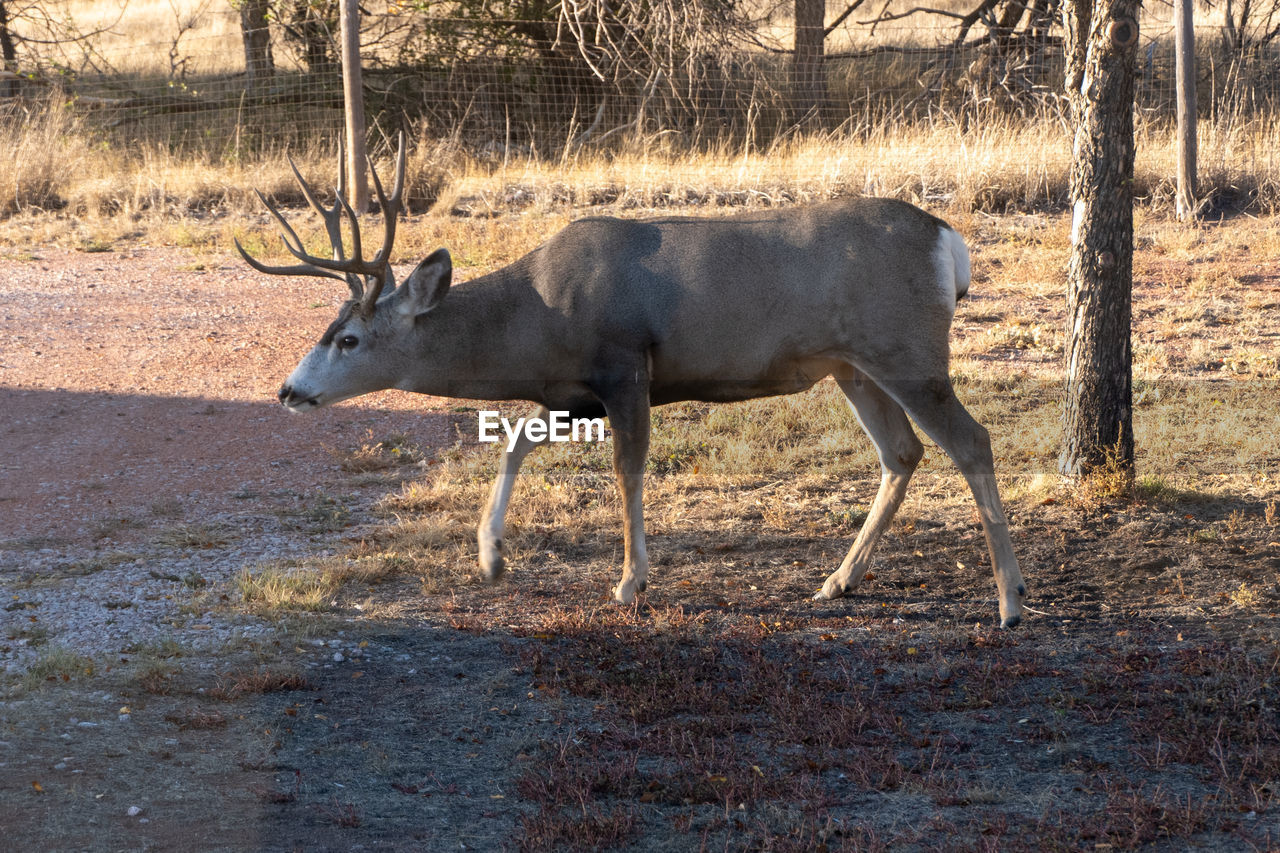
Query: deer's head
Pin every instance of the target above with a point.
(363, 350)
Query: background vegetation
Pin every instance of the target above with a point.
(142, 115)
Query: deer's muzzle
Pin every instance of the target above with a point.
(294, 401)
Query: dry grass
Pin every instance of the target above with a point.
(70, 186)
(293, 588)
(379, 454)
(235, 685)
(56, 664)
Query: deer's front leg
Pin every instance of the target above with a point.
(628, 412)
(493, 522)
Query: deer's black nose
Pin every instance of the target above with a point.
(295, 401)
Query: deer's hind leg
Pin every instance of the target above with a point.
(900, 451)
(933, 405)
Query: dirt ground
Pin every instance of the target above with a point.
(147, 467)
(139, 418)
(151, 375)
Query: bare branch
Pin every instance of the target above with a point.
(840, 19)
(897, 16)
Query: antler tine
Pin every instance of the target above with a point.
(366, 279)
(391, 208)
(332, 216)
(357, 250)
(311, 265)
(296, 269)
(287, 233)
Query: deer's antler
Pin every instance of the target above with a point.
(367, 279)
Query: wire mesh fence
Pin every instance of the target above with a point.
(531, 86)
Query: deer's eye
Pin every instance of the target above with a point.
(348, 342)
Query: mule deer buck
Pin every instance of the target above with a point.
(610, 317)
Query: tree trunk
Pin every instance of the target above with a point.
(258, 62)
(9, 53)
(1100, 45)
(310, 25)
(808, 77)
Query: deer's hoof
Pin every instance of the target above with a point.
(491, 561)
(1011, 611)
(832, 589)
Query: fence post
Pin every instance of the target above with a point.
(1185, 36)
(353, 102)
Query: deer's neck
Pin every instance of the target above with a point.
(486, 340)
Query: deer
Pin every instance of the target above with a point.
(611, 317)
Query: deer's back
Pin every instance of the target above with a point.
(750, 295)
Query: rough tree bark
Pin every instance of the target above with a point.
(1101, 38)
(808, 77)
(254, 31)
(9, 54)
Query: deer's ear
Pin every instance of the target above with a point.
(427, 284)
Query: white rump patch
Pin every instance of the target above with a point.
(952, 263)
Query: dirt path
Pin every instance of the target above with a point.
(144, 381)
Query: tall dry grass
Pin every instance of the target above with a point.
(65, 177)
